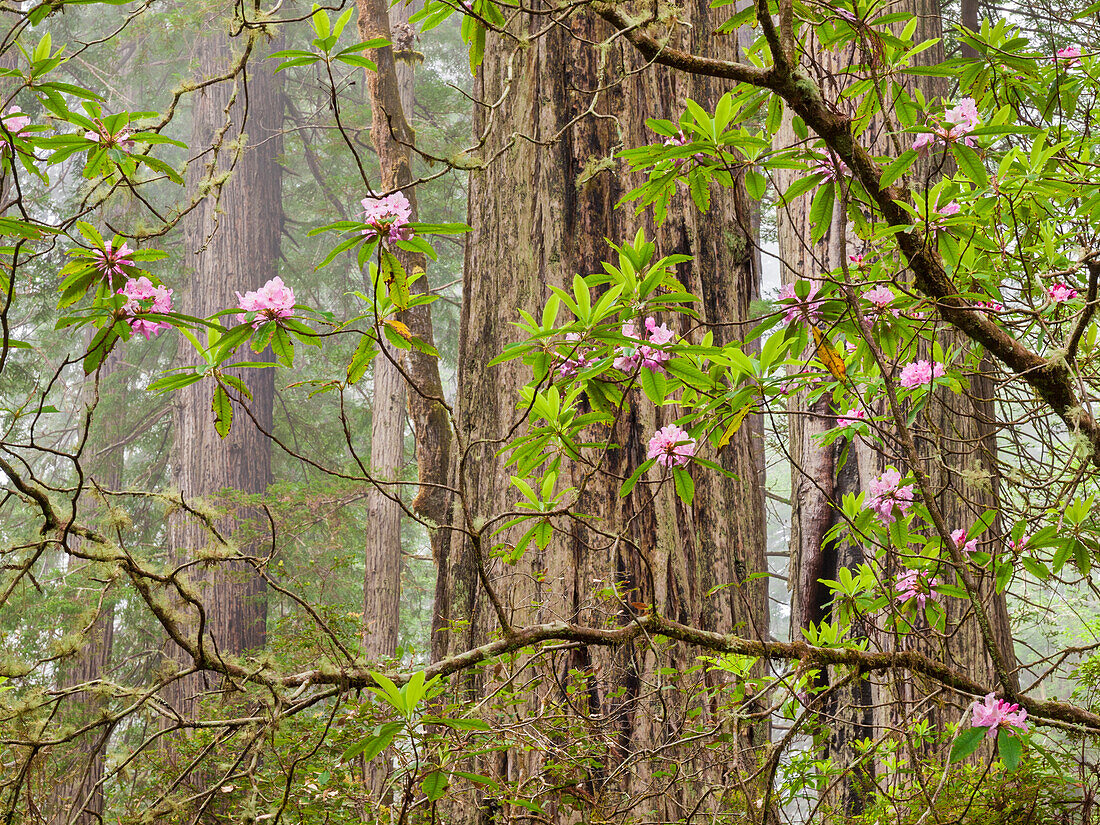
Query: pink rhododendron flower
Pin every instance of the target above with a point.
(120, 139)
(270, 302)
(857, 259)
(1060, 293)
(989, 306)
(15, 122)
(645, 354)
(388, 217)
(680, 139)
(143, 297)
(110, 261)
(579, 359)
(920, 372)
(886, 494)
(964, 115)
(683, 140)
(671, 446)
(851, 417)
(995, 713)
(959, 537)
(959, 122)
(1070, 55)
(1021, 545)
(808, 310)
(913, 584)
(831, 169)
(923, 141)
(880, 296)
(943, 212)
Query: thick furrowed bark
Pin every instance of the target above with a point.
(232, 242)
(539, 215)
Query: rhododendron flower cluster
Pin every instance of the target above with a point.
(1060, 293)
(671, 446)
(15, 122)
(121, 139)
(388, 217)
(1021, 545)
(920, 372)
(995, 713)
(808, 310)
(990, 306)
(832, 169)
(143, 297)
(959, 122)
(851, 417)
(1070, 55)
(968, 547)
(110, 261)
(880, 296)
(887, 497)
(913, 584)
(680, 139)
(645, 355)
(939, 223)
(569, 366)
(964, 115)
(272, 301)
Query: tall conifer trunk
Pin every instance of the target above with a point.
(958, 453)
(389, 90)
(382, 579)
(232, 245)
(540, 214)
(78, 799)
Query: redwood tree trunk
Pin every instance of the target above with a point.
(78, 799)
(382, 573)
(232, 245)
(958, 451)
(540, 214)
(382, 578)
(390, 92)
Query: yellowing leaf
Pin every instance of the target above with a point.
(397, 282)
(734, 426)
(833, 360)
(399, 328)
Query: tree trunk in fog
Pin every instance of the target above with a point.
(232, 245)
(540, 214)
(79, 796)
(382, 575)
(382, 581)
(960, 463)
(969, 10)
(390, 91)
